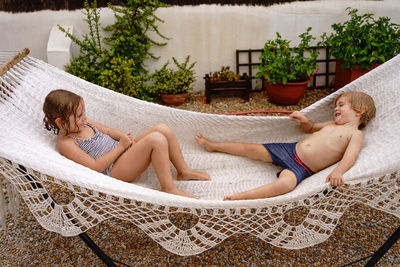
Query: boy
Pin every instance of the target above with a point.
(334, 141)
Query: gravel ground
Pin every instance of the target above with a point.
(360, 231)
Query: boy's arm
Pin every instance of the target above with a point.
(307, 125)
(348, 159)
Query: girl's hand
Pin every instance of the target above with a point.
(126, 140)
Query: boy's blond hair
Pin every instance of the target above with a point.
(363, 103)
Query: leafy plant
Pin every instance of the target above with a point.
(282, 64)
(129, 33)
(87, 64)
(117, 62)
(175, 81)
(362, 40)
(225, 74)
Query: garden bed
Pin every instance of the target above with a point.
(258, 101)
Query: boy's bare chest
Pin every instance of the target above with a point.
(337, 136)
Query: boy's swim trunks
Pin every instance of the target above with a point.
(284, 154)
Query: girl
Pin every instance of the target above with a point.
(111, 151)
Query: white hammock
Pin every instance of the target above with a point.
(373, 180)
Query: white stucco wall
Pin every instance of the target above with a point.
(210, 34)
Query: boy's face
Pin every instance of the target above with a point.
(343, 112)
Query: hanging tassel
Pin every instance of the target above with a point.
(3, 208)
(12, 202)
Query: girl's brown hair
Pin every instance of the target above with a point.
(362, 103)
(60, 104)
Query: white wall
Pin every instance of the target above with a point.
(210, 34)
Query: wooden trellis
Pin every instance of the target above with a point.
(246, 60)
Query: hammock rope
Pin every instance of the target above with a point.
(31, 166)
(260, 111)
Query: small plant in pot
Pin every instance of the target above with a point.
(360, 44)
(226, 82)
(173, 85)
(287, 71)
(224, 75)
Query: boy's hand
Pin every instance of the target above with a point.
(335, 178)
(305, 124)
(298, 117)
(126, 140)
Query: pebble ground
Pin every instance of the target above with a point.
(360, 232)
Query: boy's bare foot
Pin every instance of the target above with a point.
(193, 175)
(179, 192)
(204, 142)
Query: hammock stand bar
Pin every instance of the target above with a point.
(110, 262)
(100, 253)
(83, 236)
(17, 58)
(384, 248)
(35, 184)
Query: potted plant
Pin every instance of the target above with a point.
(173, 85)
(360, 44)
(287, 71)
(226, 82)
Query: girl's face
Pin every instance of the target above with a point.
(76, 123)
(344, 113)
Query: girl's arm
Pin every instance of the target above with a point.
(348, 159)
(113, 133)
(70, 149)
(307, 125)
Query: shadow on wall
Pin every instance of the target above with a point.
(37, 5)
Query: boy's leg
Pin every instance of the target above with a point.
(286, 182)
(253, 151)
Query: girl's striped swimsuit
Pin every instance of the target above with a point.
(98, 145)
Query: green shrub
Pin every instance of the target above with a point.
(117, 62)
(175, 81)
(282, 64)
(363, 41)
(129, 32)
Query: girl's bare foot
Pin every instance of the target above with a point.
(204, 142)
(193, 175)
(179, 192)
(237, 196)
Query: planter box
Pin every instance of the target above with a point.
(241, 87)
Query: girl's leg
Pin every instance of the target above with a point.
(286, 182)
(152, 148)
(253, 151)
(175, 153)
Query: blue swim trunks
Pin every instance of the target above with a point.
(284, 154)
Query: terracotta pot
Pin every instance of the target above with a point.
(174, 99)
(345, 76)
(342, 76)
(288, 94)
(356, 72)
